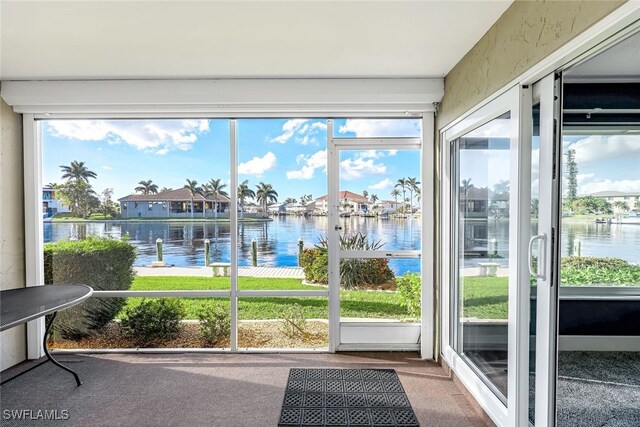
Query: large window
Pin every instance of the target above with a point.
(481, 164)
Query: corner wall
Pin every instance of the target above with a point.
(12, 266)
(527, 32)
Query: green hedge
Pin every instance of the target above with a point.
(102, 263)
(353, 272)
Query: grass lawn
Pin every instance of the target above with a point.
(353, 303)
(485, 297)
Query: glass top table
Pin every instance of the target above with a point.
(21, 305)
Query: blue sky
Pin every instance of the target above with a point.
(289, 154)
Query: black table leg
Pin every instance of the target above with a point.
(46, 350)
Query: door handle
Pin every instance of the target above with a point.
(542, 255)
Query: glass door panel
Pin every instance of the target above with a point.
(482, 169)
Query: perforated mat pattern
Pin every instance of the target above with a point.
(345, 397)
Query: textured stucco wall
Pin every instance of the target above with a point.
(526, 33)
(12, 269)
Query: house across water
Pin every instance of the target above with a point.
(174, 204)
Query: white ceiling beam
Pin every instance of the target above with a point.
(224, 96)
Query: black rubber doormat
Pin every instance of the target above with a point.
(345, 397)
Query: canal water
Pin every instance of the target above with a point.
(277, 240)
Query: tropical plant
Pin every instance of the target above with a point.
(365, 194)
(163, 189)
(572, 175)
(244, 193)
(374, 198)
(402, 185)
(395, 193)
(146, 187)
(215, 188)
(590, 205)
(621, 206)
(77, 171)
(290, 200)
(412, 185)
(265, 194)
(192, 186)
(80, 197)
(107, 207)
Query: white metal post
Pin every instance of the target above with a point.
(333, 166)
(233, 216)
(427, 244)
(519, 234)
(33, 240)
(546, 293)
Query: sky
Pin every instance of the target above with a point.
(290, 154)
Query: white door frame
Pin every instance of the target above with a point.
(514, 101)
(334, 146)
(546, 92)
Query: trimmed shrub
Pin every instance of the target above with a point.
(153, 320)
(215, 323)
(103, 264)
(353, 272)
(409, 286)
(589, 261)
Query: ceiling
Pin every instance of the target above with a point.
(238, 39)
(620, 61)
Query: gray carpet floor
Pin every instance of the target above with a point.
(211, 389)
(598, 389)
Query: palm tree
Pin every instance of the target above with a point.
(365, 193)
(395, 193)
(215, 188)
(77, 171)
(402, 184)
(146, 187)
(465, 186)
(621, 206)
(163, 189)
(265, 194)
(412, 186)
(374, 198)
(193, 188)
(244, 192)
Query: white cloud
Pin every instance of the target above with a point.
(309, 165)
(382, 185)
(351, 169)
(302, 131)
(376, 154)
(381, 127)
(107, 167)
(258, 165)
(157, 136)
(596, 148)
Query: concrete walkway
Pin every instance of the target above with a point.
(288, 272)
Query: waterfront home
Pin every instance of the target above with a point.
(51, 205)
(630, 198)
(387, 206)
(349, 202)
(173, 204)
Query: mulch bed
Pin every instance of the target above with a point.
(258, 334)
